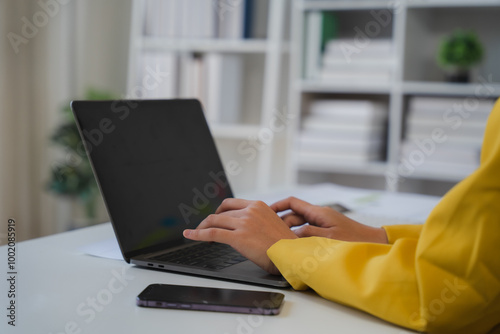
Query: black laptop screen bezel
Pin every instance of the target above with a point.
(182, 116)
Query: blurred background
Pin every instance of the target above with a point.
(372, 94)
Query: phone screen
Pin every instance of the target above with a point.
(210, 299)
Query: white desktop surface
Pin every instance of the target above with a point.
(55, 281)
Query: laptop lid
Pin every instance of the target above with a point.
(157, 167)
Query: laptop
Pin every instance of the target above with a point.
(159, 172)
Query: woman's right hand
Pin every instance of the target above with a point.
(325, 222)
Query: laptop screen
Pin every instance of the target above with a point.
(157, 167)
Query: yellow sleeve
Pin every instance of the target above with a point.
(361, 275)
(445, 281)
(395, 232)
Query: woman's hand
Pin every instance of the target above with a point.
(326, 222)
(250, 227)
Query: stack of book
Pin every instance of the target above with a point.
(444, 134)
(205, 18)
(213, 78)
(343, 62)
(344, 131)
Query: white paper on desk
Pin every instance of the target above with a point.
(108, 249)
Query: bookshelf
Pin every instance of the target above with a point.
(414, 29)
(232, 56)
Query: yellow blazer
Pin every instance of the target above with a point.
(440, 277)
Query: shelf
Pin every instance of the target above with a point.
(410, 87)
(367, 4)
(416, 29)
(232, 131)
(207, 45)
(453, 89)
(345, 5)
(333, 166)
(316, 86)
(378, 168)
(448, 3)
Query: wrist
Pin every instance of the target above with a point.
(373, 234)
(379, 235)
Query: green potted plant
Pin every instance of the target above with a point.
(73, 176)
(458, 53)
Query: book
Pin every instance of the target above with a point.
(443, 103)
(448, 115)
(231, 18)
(259, 18)
(377, 48)
(153, 86)
(337, 159)
(355, 75)
(224, 75)
(339, 108)
(466, 141)
(329, 28)
(342, 63)
(349, 130)
(374, 63)
(445, 168)
(465, 128)
(445, 152)
(178, 19)
(312, 50)
(340, 146)
(169, 21)
(152, 18)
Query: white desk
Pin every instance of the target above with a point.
(55, 280)
(56, 284)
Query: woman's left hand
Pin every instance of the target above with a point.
(250, 227)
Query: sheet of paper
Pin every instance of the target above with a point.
(107, 248)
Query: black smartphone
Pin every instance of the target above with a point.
(210, 299)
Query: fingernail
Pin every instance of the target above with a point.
(187, 233)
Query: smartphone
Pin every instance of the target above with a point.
(210, 299)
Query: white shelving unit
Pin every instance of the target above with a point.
(416, 28)
(264, 73)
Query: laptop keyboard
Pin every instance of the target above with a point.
(204, 255)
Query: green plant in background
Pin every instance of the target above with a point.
(73, 175)
(459, 52)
